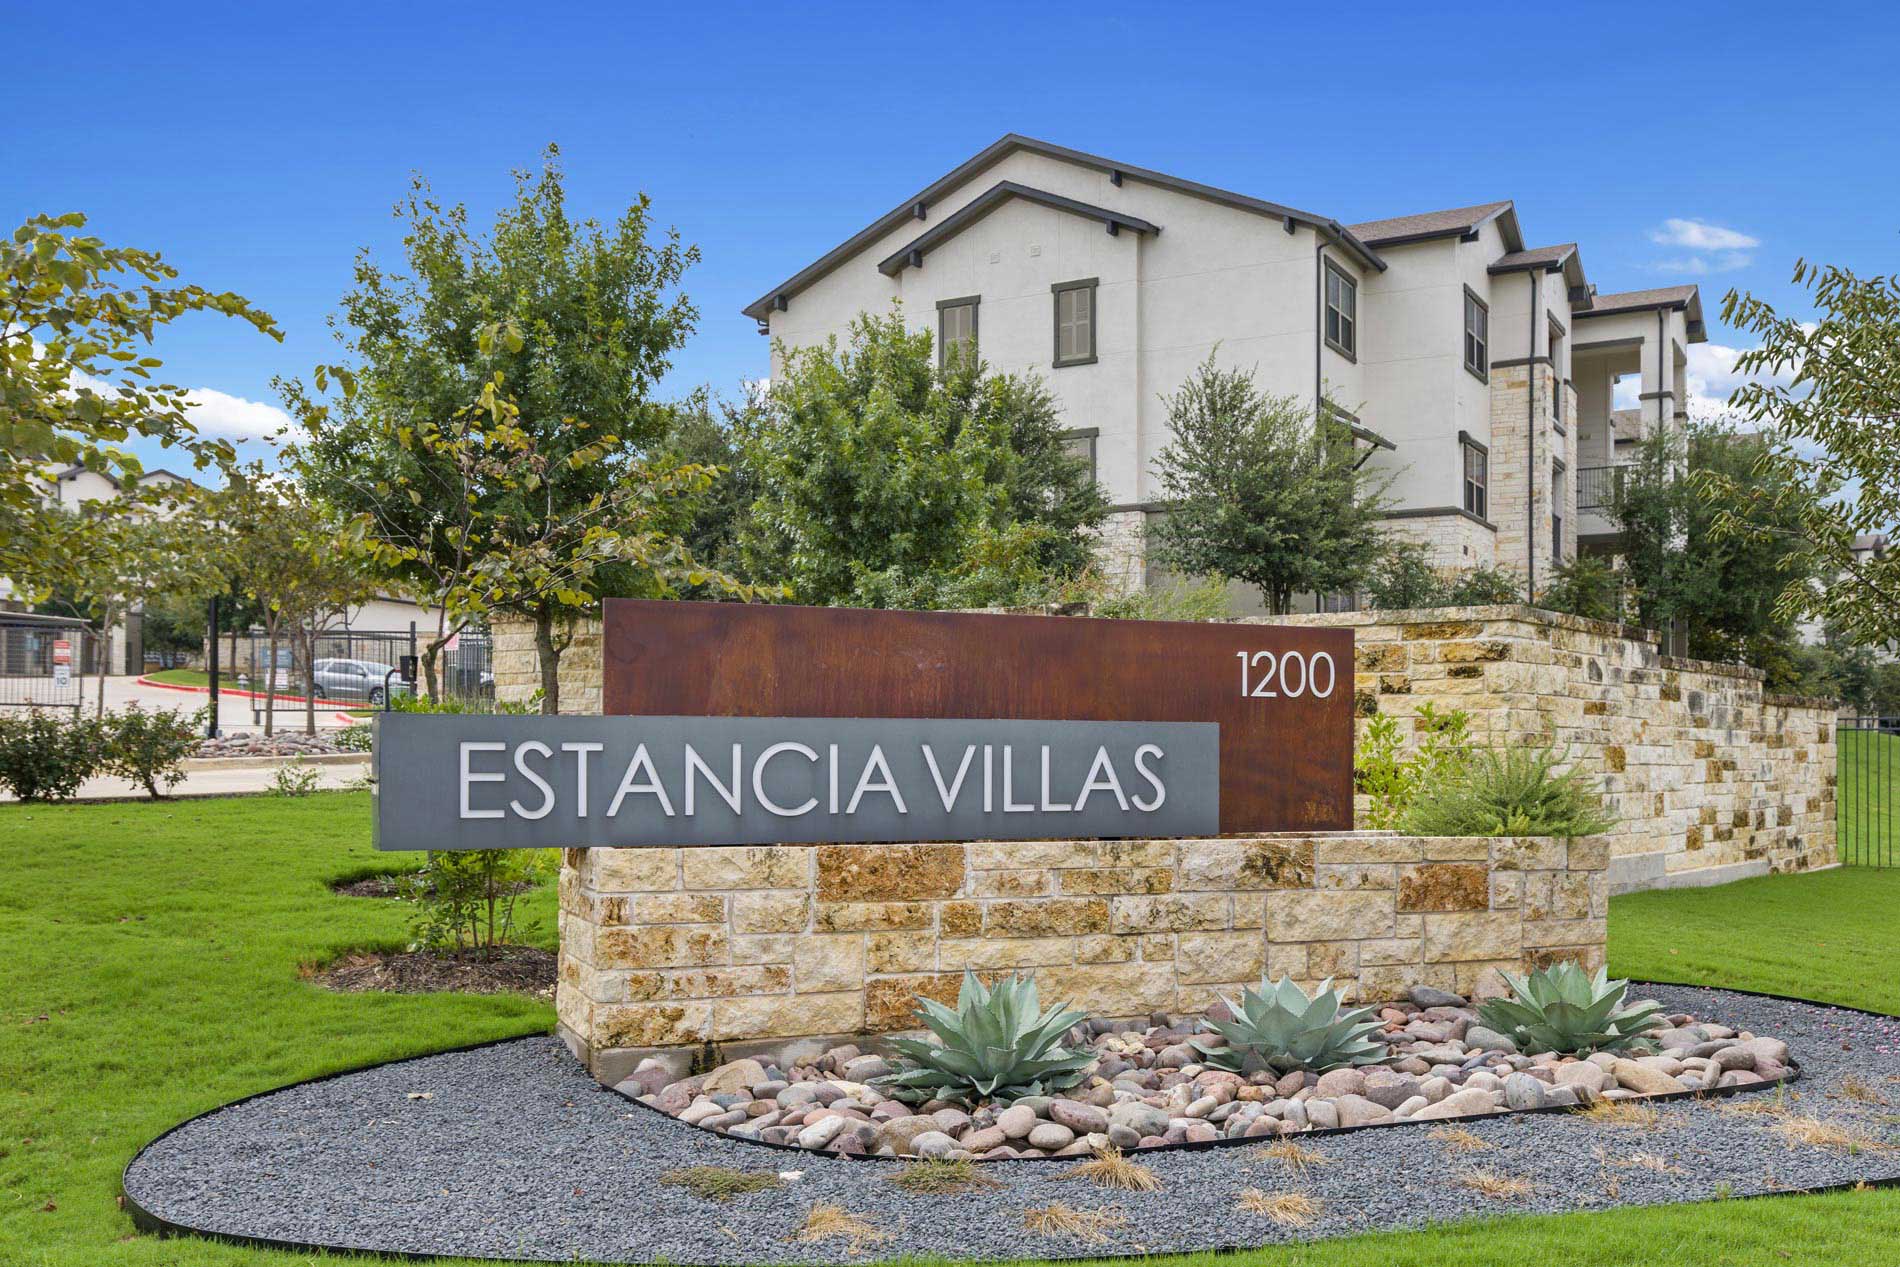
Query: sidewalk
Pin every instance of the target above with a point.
(229, 776)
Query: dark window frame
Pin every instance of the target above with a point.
(1056, 291)
(1556, 335)
(1481, 370)
(973, 303)
(1475, 494)
(1093, 435)
(1348, 322)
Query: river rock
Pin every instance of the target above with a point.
(1645, 1079)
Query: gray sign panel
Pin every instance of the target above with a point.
(504, 782)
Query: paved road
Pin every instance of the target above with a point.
(234, 711)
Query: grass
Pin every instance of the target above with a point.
(824, 1222)
(1459, 1140)
(1296, 1157)
(150, 958)
(942, 1176)
(1288, 1209)
(1110, 1169)
(721, 1183)
(1057, 1219)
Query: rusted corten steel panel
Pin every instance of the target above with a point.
(1286, 747)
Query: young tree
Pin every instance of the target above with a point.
(110, 557)
(1679, 565)
(75, 318)
(1260, 491)
(285, 555)
(1830, 470)
(568, 322)
(884, 480)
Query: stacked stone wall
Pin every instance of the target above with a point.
(668, 948)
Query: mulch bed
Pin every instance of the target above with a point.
(512, 970)
(369, 886)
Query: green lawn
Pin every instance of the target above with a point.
(184, 677)
(150, 957)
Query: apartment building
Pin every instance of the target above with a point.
(1477, 370)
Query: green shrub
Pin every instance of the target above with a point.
(1585, 587)
(45, 757)
(150, 748)
(1391, 775)
(1518, 791)
(997, 1045)
(1199, 600)
(295, 777)
(1561, 1009)
(464, 899)
(1279, 1027)
(354, 738)
(1486, 587)
(460, 704)
(1404, 578)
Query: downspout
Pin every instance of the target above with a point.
(1530, 454)
(1661, 338)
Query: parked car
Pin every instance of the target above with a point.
(357, 680)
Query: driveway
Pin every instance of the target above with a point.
(234, 711)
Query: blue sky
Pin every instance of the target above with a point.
(260, 146)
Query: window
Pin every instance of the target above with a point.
(956, 329)
(1557, 373)
(1557, 513)
(1081, 444)
(1477, 464)
(1477, 335)
(1342, 312)
(1075, 322)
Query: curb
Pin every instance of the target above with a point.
(241, 693)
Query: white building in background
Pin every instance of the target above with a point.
(1477, 369)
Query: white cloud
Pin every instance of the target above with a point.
(1712, 376)
(1700, 235)
(1714, 249)
(217, 413)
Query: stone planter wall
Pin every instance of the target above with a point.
(671, 948)
(1711, 778)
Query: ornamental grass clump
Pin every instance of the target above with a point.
(997, 1045)
(1562, 1009)
(1510, 792)
(1278, 1027)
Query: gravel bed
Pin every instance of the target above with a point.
(513, 1151)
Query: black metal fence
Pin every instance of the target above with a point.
(355, 667)
(1866, 804)
(44, 660)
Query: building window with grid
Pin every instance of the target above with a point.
(1477, 335)
(1075, 322)
(1342, 312)
(1080, 444)
(1477, 472)
(956, 331)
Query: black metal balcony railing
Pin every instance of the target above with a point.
(1599, 487)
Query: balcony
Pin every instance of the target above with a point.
(1599, 488)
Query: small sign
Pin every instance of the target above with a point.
(62, 651)
(406, 668)
(509, 782)
(62, 674)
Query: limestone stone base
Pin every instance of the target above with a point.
(693, 950)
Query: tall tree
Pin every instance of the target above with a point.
(1830, 471)
(1260, 491)
(76, 379)
(542, 339)
(883, 479)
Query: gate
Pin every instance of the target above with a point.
(1865, 800)
(44, 660)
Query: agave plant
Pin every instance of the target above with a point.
(1563, 1009)
(1278, 1027)
(997, 1045)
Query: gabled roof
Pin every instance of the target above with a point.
(1687, 298)
(1562, 258)
(989, 200)
(1450, 223)
(917, 207)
